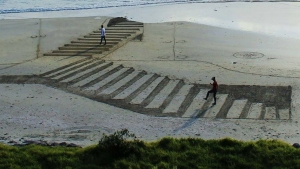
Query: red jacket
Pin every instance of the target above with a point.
(215, 86)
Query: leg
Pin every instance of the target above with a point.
(101, 40)
(208, 94)
(215, 93)
(104, 40)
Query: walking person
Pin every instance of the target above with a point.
(103, 35)
(214, 90)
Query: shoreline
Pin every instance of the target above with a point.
(260, 17)
(40, 10)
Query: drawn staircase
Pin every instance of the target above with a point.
(152, 94)
(116, 35)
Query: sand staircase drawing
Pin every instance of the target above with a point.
(153, 94)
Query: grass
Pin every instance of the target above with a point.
(122, 150)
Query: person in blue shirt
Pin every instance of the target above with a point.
(103, 35)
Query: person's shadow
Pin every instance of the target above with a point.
(198, 113)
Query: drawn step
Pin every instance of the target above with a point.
(145, 93)
(270, 113)
(255, 111)
(178, 99)
(236, 109)
(117, 31)
(163, 94)
(196, 105)
(130, 23)
(74, 70)
(74, 48)
(84, 72)
(106, 80)
(212, 111)
(98, 39)
(119, 84)
(94, 42)
(120, 28)
(64, 67)
(98, 36)
(85, 45)
(67, 69)
(284, 114)
(133, 87)
(78, 51)
(94, 76)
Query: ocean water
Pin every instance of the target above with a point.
(276, 19)
(21, 6)
(24, 6)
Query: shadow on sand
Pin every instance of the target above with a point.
(195, 116)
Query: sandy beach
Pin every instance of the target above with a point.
(238, 43)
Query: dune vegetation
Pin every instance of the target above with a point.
(123, 150)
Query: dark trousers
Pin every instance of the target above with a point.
(103, 37)
(212, 91)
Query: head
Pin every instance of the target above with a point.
(101, 26)
(213, 78)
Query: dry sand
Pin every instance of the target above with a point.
(180, 50)
(37, 112)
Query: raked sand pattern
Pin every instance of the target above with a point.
(152, 94)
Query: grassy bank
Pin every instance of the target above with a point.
(115, 151)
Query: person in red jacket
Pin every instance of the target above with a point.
(213, 90)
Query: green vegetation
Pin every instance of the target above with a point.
(122, 150)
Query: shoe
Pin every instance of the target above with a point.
(205, 98)
(214, 103)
